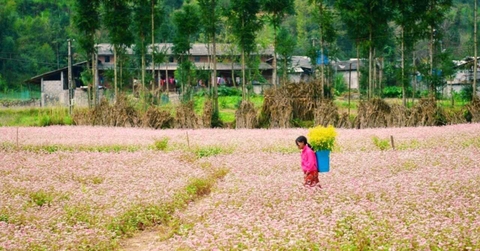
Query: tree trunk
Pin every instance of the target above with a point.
(115, 71)
(358, 67)
(244, 91)
(414, 85)
(432, 84)
(322, 69)
(166, 74)
(380, 74)
(143, 68)
(121, 71)
(404, 98)
(94, 74)
(374, 70)
(274, 63)
(153, 47)
(370, 52)
(215, 87)
(233, 75)
(349, 85)
(475, 51)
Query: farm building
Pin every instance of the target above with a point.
(54, 84)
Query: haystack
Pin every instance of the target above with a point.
(288, 102)
(344, 121)
(398, 116)
(326, 113)
(246, 116)
(426, 113)
(372, 114)
(186, 117)
(157, 119)
(474, 110)
(122, 113)
(207, 114)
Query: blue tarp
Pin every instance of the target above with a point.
(322, 59)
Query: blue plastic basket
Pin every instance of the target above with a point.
(323, 161)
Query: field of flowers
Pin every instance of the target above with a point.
(85, 188)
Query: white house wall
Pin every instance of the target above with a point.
(354, 80)
(53, 93)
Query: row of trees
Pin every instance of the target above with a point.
(33, 34)
(136, 22)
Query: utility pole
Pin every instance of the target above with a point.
(70, 85)
(153, 47)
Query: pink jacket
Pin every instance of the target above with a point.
(309, 160)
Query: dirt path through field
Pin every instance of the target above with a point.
(144, 240)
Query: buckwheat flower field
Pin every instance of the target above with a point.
(86, 188)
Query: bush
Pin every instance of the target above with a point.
(229, 91)
(466, 93)
(392, 92)
(208, 151)
(41, 198)
(339, 85)
(382, 144)
(161, 144)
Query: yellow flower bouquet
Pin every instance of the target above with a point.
(322, 138)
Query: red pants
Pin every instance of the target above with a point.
(311, 178)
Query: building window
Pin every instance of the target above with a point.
(107, 59)
(170, 59)
(197, 59)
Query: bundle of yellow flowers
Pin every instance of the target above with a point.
(322, 138)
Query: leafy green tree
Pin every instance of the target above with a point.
(434, 16)
(86, 20)
(407, 14)
(157, 12)
(210, 22)
(285, 48)
(186, 21)
(116, 17)
(142, 30)
(276, 11)
(243, 19)
(367, 23)
(7, 41)
(325, 18)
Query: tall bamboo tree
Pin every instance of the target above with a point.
(117, 16)
(186, 22)
(210, 23)
(157, 12)
(142, 30)
(407, 14)
(434, 16)
(475, 63)
(276, 11)
(325, 19)
(243, 19)
(285, 48)
(367, 22)
(87, 21)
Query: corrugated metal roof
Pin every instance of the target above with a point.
(302, 62)
(38, 78)
(349, 65)
(198, 49)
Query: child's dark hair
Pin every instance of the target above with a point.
(302, 139)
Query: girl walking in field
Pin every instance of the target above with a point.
(309, 162)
